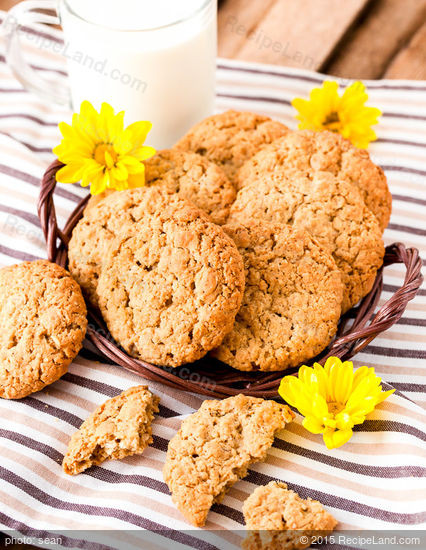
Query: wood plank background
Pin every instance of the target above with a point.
(347, 38)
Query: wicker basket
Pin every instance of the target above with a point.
(209, 376)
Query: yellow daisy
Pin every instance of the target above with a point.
(333, 398)
(98, 151)
(346, 114)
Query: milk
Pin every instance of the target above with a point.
(154, 59)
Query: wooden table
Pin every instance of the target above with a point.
(347, 38)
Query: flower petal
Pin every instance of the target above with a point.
(313, 425)
(136, 180)
(91, 172)
(144, 153)
(139, 132)
(295, 393)
(119, 171)
(336, 438)
(70, 173)
(100, 183)
(384, 395)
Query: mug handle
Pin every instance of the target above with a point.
(15, 21)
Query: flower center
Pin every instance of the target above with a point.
(332, 121)
(101, 149)
(334, 407)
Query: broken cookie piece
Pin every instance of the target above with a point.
(280, 520)
(215, 447)
(118, 428)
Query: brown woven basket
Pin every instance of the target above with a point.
(209, 376)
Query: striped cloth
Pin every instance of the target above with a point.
(376, 481)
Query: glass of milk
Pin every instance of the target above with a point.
(153, 59)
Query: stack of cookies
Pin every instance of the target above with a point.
(248, 242)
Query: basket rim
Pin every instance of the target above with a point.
(222, 380)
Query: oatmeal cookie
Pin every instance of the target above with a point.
(190, 175)
(172, 282)
(42, 326)
(215, 447)
(92, 236)
(292, 298)
(331, 210)
(118, 428)
(306, 152)
(231, 138)
(280, 520)
(94, 233)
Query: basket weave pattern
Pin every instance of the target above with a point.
(209, 376)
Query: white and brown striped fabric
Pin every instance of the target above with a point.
(376, 481)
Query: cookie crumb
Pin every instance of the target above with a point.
(279, 519)
(215, 447)
(118, 428)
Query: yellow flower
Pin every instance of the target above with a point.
(346, 114)
(97, 150)
(333, 398)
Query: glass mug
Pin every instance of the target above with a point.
(154, 60)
